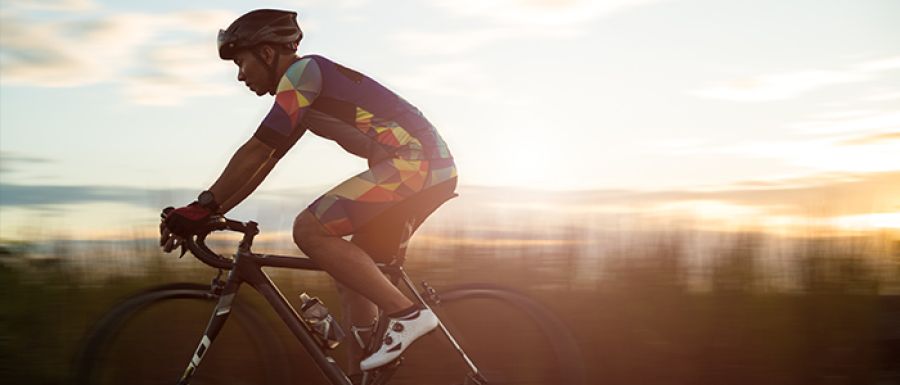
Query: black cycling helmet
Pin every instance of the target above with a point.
(276, 27)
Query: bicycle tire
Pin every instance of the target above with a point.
(100, 341)
(546, 351)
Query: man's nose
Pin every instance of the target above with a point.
(241, 76)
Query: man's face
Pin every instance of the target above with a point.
(252, 72)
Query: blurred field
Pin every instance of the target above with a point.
(678, 307)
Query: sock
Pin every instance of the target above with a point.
(408, 313)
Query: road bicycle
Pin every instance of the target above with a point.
(487, 334)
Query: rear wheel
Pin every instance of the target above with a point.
(151, 337)
(509, 337)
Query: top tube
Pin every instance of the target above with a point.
(250, 229)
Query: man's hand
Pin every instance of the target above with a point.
(167, 240)
(181, 223)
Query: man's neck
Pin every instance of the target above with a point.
(285, 62)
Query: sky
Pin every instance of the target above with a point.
(772, 110)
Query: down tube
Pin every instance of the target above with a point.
(216, 322)
(329, 367)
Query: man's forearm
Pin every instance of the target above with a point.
(246, 163)
(248, 187)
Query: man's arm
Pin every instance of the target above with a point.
(278, 132)
(246, 170)
(249, 186)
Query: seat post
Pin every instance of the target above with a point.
(412, 222)
(408, 227)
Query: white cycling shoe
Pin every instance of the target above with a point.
(399, 335)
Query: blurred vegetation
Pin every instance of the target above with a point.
(646, 310)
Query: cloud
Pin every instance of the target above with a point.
(853, 123)
(435, 43)
(50, 5)
(821, 196)
(39, 195)
(34, 195)
(460, 42)
(510, 20)
(176, 72)
(148, 54)
(452, 78)
(853, 141)
(827, 154)
(883, 96)
(872, 139)
(67, 53)
(790, 85)
(108, 204)
(779, 86)
(540, 12)
(844, 114)
(9, 161)
(828, 194)
(352, 4)
(885, 64)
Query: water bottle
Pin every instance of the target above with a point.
(321, 321)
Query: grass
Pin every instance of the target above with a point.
(648, 310)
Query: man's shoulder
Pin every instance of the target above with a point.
(318, 59)
(331, 68)
(304, 69)
(311, 65)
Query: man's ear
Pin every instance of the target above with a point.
(268, 53)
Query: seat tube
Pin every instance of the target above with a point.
(216, 322)
(412, 288)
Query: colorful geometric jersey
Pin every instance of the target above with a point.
(404, 151)
(343, 105)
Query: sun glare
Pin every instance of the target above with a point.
(710, 209)
(532, 161)
(879, 221)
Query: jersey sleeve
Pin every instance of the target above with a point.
(296, 91)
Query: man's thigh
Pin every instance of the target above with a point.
(381, 237)
(349, 206)
(375, 205)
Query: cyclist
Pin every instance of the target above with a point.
(410, 172)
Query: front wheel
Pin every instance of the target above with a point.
(151, 337)
(509, 337)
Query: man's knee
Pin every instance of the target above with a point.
(306, 230)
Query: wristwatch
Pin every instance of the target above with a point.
(207, 200)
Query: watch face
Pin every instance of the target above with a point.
(206, 198)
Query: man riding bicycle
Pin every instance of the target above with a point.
(410, 171)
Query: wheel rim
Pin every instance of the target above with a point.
(503, 332)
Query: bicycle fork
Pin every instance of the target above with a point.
(216, 322)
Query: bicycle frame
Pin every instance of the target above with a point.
(247, 268)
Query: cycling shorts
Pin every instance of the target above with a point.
(353, 204)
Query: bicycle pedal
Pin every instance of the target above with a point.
(431, 296)
(390, 367)
(382, 374)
